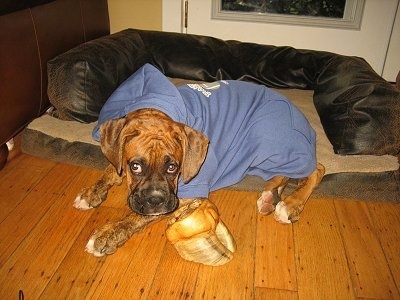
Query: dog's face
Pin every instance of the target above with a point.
(153, 150)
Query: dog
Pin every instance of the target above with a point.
(175, 145)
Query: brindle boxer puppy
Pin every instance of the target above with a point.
(151, 151)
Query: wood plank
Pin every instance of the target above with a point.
(128, 273)
(112, 270)
(25, 161)
(235, 280)
(369, 271)
(17, 180)
(17, 225)
(78, 270)
(320, 255)
(385, 218)
(145, 263)
(275, 263)
(342, 249)
(33, 264)
(175, 277)
(271, 294)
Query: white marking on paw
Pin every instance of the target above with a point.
(81, 203)
(90, 248)
(281, 213)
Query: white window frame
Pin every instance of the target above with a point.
(351, 19)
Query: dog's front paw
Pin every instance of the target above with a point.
(88, 199)
(107, 239)
(90, 248)
(81, 203)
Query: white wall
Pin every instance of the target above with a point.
(370, 42)
(392, 63)
(140, 14)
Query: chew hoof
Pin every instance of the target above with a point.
(199, 235)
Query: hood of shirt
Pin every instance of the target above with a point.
(146, 88)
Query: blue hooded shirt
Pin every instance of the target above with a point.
(252, 129)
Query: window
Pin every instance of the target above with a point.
(344, 14)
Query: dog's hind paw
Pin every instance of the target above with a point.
(281, 213)
(266, 202)
(81, 203)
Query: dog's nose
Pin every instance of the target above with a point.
(155, 198)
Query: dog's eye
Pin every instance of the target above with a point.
(171, 168)
(136, 168)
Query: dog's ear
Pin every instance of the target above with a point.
(195, 151)
(113, 134)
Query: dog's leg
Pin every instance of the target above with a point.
(108, 238)
(271, 194)
(96, 194)
(288, 210)
(111, 236)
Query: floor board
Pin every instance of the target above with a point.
(369, 269)
(339, 249)
(322, 269)
(275, 266)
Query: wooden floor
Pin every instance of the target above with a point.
(338, 250)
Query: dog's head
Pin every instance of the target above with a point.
(153, 150)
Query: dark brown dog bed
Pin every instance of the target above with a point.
(354, 111)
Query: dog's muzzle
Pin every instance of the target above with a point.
(153, 202)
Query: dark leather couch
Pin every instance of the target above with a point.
(30, 35)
